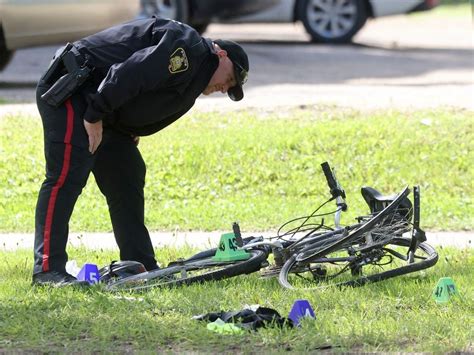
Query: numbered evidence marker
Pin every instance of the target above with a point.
(89, 273)
(301, 309)
(444, 290)
(228, 249)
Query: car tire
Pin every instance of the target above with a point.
(5, 54)
(178, 10)
(173, 9)
(5, 57)
(327, 21)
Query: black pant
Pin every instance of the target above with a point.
(119, 171)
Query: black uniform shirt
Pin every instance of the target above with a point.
(147, 74)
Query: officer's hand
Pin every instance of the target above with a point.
(94, 131)
(136, 139)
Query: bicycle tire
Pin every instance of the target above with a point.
(429, 259)
(178, 274)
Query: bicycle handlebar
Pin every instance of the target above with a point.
(334, 186)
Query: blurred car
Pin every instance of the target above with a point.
(26, 23)
(199, 13)
(335, 21)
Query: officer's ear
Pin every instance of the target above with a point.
(221, 53)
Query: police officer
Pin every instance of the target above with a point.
(141, 77)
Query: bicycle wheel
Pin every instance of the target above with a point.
(192, 270)
(357, 265)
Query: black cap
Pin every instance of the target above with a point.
(241, 67)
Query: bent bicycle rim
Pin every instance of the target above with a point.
(346, 267)
(190, 271)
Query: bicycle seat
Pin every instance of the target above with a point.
(373, 194)
(377, 202)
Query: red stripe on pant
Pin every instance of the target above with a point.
(58, 185)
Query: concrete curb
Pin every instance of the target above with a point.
(201, 240)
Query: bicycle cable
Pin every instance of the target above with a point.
(303, 224)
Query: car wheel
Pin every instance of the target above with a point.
(332, 21)
(5, 56)
(173, 9)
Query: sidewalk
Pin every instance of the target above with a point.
(201, 240)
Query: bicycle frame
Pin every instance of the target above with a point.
(283, 249)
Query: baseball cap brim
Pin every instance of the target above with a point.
(236, 93)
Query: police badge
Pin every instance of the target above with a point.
(178, 61)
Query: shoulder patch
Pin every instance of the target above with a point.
(178, 61)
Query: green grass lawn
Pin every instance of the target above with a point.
(262, 169)
(390, 316)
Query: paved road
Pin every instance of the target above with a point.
(397, 62)
(201, 240)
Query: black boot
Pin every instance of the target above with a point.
(57, 279)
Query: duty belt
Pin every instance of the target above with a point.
(66, 73)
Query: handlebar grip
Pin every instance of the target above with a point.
(334, 187)
(329, 176)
